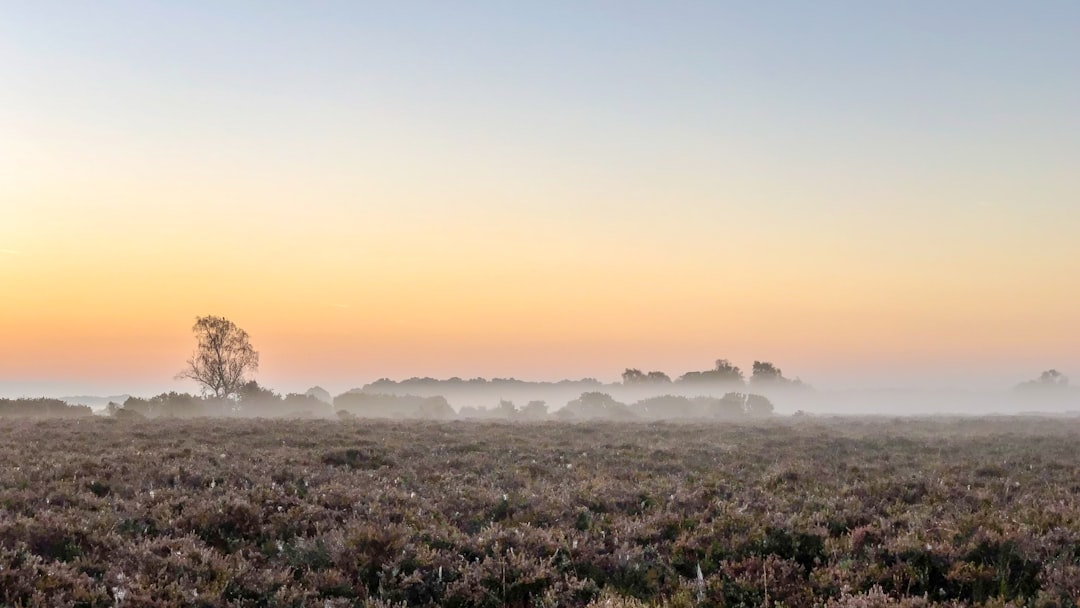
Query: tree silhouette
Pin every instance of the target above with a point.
(595, 405)
(250, 391)
(223, 357)
(660, 377)
(725, 371)
(766, 372)
(1051, 378)
(758, 405)
(722, 372)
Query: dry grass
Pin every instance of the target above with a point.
(102, 512)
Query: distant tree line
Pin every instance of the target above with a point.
(428, 383)
(250, 399)
(224, 359)
(763, 373)
(254, 400)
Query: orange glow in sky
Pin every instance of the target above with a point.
(375, 205)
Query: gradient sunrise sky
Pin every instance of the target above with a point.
(865, 193)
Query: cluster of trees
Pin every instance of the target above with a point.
(250, 399)
(763, 373)
(171, 404)
(1050, 379)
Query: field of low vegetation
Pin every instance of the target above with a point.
(99, 511)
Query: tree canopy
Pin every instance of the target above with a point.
(223, 357)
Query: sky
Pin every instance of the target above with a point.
(864, 193)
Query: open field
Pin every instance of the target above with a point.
(104, 512)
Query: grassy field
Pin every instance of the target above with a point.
(796, 512)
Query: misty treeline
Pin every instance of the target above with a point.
(1051, 379)
(717, 394)
(645, 395)
(256, 401)
(42, 408)
(723, 373)
(224, 363)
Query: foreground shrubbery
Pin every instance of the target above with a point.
(299, 513)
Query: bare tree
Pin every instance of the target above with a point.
(222, 358)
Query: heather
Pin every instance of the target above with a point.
(804, 511)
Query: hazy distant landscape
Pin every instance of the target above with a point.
(689, 396)
(224, 362)
(559, 304)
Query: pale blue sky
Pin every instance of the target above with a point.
(930, 148)
(839, 79)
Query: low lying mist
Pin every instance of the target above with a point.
(721, 393)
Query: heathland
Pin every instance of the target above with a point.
(795, 512)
